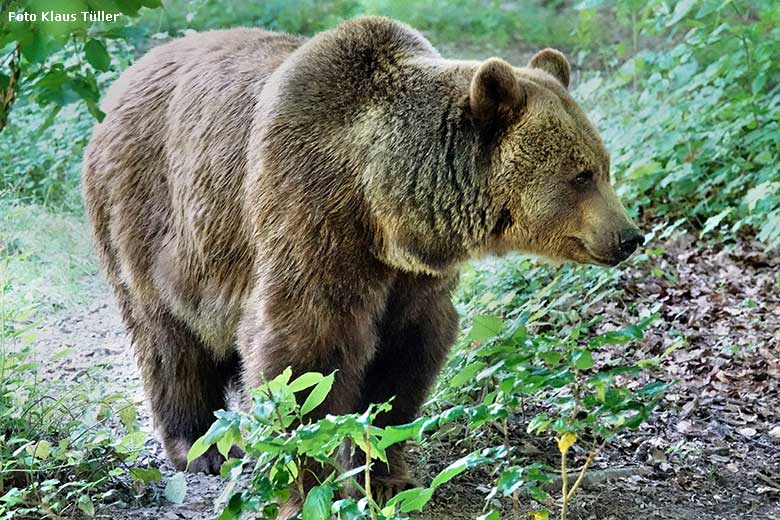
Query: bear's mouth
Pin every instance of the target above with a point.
(596, 259)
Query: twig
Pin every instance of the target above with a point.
(564, 485)
(595, 478)
(370, 499)
(515, 498)
(592, 455)
(768, 480)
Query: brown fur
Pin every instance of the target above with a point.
(260, 200)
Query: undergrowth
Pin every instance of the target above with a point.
(689, 107)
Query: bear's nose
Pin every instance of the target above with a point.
(630, 239)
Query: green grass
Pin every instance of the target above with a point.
(46, 258)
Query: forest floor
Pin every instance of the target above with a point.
(710, 451)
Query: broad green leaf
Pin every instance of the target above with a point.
(97, 55)
(305, 381)
(582, 359)
(411, 499)
(128, 416)
(86, 505)
(467, 374)
(485, 327)
(198, 448)
(146, 475)
(317, 395)
(318, 503)
(231, 468)
(176, 488)
(682, 8)
(40, 450)
(395, 434)
(758, 83)
(715, 221)
(225, 443)
(131, 444)
(617, 337)
(458, 467)
(539, 423)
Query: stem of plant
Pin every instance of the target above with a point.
(564, 485)
(515, 497)
(592, 455)
(367, 439)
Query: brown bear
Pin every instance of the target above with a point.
(261, 200)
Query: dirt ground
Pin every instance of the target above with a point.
(711, 450)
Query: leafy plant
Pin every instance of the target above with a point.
(31, 57)
(705, 111)
(60, 445)
(514, 371)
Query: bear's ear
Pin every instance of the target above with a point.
(496, 95)
(554, 63)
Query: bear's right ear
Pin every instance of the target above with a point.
(496, 94)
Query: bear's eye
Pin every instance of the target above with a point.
(584, 178)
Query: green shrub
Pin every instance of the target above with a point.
(534, 357)
(60, 443)
(694, 130)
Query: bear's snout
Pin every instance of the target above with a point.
(630, 240)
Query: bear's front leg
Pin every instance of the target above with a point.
(322, 333)
(418, 328)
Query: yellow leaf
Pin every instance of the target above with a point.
(566, 441)
(39, 450)
(539, 515)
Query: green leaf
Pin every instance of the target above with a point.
(40, 450)
(128, 415)
(582, 359)
(131, 444)
(97, 55)
(492, 515)
(86, 505)
(411, 499)
(225, 443)
(305, 381)
(617, 337)
(198, 448)
(682, 8)
(146, 475)
(552, 358)
(458, 467)
(539, 423)
(485, 327)
(231, 468)
(758, 83)
(467, 374)
(176, 488)
(395, 434)
(715, 221)
(318, 395)
(318, 503)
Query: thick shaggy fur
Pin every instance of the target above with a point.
(261, 200)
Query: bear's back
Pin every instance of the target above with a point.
(163, 172)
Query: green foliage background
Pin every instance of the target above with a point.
(685, 93)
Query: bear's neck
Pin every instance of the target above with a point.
(426, 177)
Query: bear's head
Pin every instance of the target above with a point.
(550, 170)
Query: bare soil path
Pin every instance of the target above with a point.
(711, 451)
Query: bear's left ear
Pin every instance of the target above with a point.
(554, 63)
(496, 95)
